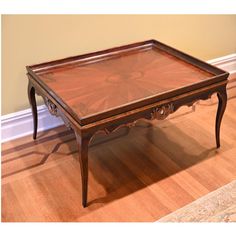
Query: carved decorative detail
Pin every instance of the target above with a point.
(115, 128)
(195, 100)
(199, 99)
(56, 112)
(160, 113)
(51, 106)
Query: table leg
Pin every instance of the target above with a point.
(222, 98)
(83, 143)
(32, 100)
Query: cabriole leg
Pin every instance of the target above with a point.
(83, 143)
(222, 98)
(32, 101)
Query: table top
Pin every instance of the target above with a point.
(97, 85)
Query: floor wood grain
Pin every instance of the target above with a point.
(140, 176)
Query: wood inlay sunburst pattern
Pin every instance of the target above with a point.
(100, 86)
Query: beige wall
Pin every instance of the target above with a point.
(37, 38)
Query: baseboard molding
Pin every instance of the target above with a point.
(20, 124)
(227, 63)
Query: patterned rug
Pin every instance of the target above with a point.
(217, 206)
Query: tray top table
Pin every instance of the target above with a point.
(105, 90)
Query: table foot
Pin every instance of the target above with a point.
(222, 98)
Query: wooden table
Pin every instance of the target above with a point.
(106, 90)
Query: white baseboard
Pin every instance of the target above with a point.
(19, 124)
(227, 63)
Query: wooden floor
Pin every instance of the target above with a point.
(139, 176)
